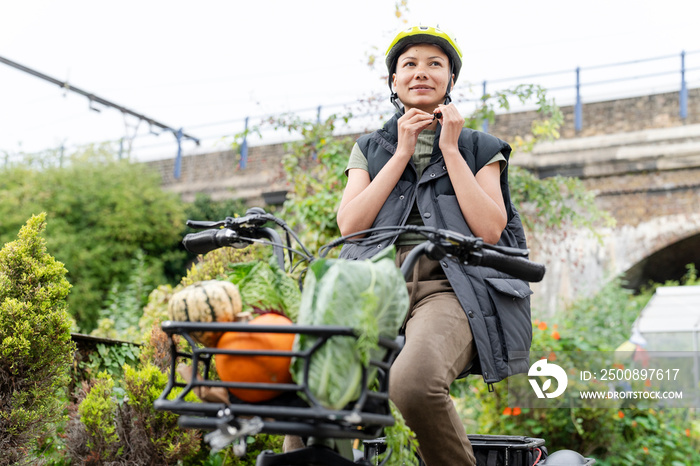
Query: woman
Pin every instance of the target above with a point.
(423, 167)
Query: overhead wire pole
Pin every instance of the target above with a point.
(93, 98)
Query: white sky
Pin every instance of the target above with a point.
(204, 66)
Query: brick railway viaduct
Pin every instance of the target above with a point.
(637, 155)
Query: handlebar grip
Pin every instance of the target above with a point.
(205, 241)
(518, 267)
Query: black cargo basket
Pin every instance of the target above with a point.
(510, 450)
(489, 450)
(287, 413)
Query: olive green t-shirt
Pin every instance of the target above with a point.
(421, 159)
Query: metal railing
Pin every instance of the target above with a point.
(573, 86)
(652, 71)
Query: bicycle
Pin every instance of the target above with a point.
(328, 431)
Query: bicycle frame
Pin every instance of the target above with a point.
(296, 411)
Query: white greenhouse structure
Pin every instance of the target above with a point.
(668, 329)
(671, 320)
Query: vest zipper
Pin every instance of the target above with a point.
(414, 196)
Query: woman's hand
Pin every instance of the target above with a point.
(452, 124)
(409, 127)
(479, 196)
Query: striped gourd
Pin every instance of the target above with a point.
(206, 301)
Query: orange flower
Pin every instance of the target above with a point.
(556, 335)
(647, 383)
(542, 326)
(620, 414)
(687, 432)
(646, 450)
(517, 411)
(552, 356)
(507, 411)
(634, 423)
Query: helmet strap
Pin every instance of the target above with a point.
(394, 96)
(395, 102)
(448, 98)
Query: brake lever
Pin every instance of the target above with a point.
(476, 244)
(459, 239)
(204, 224)
(254, 217)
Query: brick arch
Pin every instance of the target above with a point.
(653, 243)
(579, 264)
(667, 263)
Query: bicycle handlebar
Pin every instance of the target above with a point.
(518, 267)
(240, 232)
(464, 249)
(206, 241)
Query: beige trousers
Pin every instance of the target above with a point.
(439, 345)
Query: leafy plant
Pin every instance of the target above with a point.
(401, 442)
(618, 435)
(119, 319)
(265, 287)
(554, 203)
(545, 128)
(547, 203)
(254, 446)
(215, 264)
(36, 346)
(109, 358)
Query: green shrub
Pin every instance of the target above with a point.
(102, 213)
(123, 430)
(124, 306)
(36, 345)
(97, 413)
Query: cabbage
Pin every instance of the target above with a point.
(369, 296)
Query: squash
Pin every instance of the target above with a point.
(206, 301)
(256, 369)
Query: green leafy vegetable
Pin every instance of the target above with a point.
(369, 296)
(266, 287)
(401, 442)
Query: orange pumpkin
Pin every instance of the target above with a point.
(256, 369)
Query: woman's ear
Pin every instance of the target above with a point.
(393, 80)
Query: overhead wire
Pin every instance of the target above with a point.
(346, 105)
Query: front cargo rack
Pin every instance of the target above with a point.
(296, 411)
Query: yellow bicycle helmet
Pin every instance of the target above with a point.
(422, 35)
